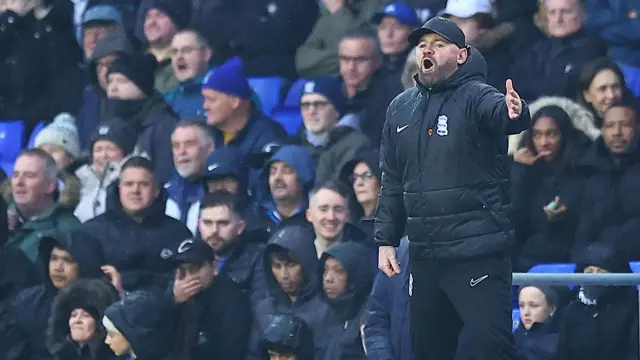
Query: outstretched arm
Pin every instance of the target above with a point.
(503, 114)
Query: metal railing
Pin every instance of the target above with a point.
(579, 279)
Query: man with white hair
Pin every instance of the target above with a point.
(191, 144)
(33, 212)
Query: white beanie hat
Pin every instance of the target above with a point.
(61, 132)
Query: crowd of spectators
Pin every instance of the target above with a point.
(157, 204)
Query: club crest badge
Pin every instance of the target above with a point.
(442, 129)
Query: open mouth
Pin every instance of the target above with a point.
(181, 67)
(427, 65)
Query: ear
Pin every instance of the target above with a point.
(463, 55)
(241, 226)
(51, 187)
(207, 54)
(307, 214)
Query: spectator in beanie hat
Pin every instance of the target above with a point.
(162, 21)
(60, 140)
(331, 136)
(132, 98)
(111, 143)
(394, 24)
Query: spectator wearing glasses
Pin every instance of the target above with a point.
(330, 135)
(363, 174)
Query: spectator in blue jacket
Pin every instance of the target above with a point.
(538, 332)
(386, 331)
(233, 115)
(190, 58)
(618, 24)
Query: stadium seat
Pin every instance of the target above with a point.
(11, 135)
(7, 167)
(515, 319)
(635, 266)
(34, 133)
(269, 90)
(553, 268)
(288, 114)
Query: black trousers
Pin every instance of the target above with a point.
(474, 293)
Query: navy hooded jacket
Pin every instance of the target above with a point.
(30, 309)
(301, 162)
(338, 338)
(387, 331)
(307, 305)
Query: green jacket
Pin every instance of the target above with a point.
(54, 219)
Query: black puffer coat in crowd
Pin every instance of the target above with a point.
(307, 305)
(139, 250)
(444, 174)
(92, 295)
(338, 337)
(611, 205)
(30, 310)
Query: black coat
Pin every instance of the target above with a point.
(32, 52)
(444, 173)
(552, 66)
(139, 250)
(541, 341)
(308, 307)
(538, 239)
(244, 267)
(338, 337)
(29, 311)
(611, 204)
(222, 318)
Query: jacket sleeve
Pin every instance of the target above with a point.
(258, 282)
(234, 327)
(377, 329)
(613, 21)
(14, 344)
(390, 214)
(493, 112)
(162, 156)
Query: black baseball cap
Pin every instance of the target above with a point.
(192, 251)
(441, 26)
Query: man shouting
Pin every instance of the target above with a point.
(444, 183)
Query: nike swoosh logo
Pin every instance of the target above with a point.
(399, 129)
(473, 282)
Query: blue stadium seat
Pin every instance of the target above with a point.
(635, 266)
(34, 133)
(11, 135)
(515, 319)
(553, 268)
(269, 90)
(288, 114)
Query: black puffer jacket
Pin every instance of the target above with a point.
(91, 295)
(139, 250)
(444, 174)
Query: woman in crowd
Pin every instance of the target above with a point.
(537, 334)
(602, 322)
(362, 174)
(75, 330)
(601, 83)
(546, 189)
(109, 145)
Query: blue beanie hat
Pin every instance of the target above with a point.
(229, 78)
(329, 87)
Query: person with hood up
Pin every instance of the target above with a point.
(387, 330)
(142, 326)
(610, 210)
(75, 329)
(136, 236)
(286, 180)
(287, 338)
(94, 96)
(110, 144)
(545, 172)
(133, 98)
(64, 258)
(363, 175)
(227, 169)
(290, 267)
(538, 331)
(329, 133)
(347, 276)
(602, 323)
(214, 316)
(457, 222)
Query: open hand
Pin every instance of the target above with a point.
(387, 261)
(184, 287)
(526, 157)
(514, 103)
(114, 277)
